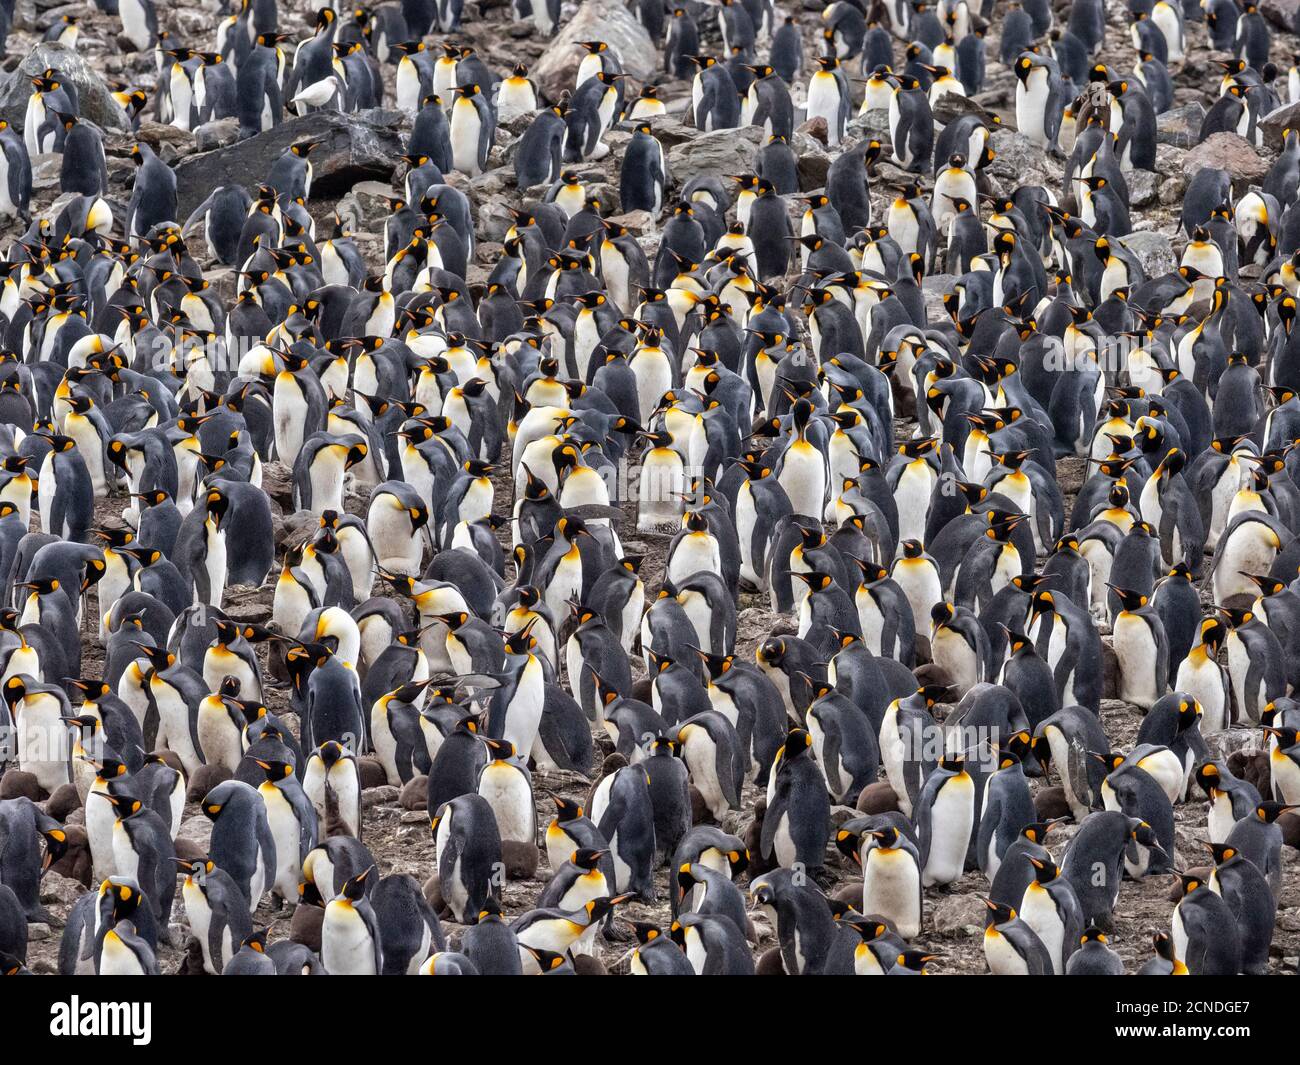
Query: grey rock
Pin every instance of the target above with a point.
(1281, 13)
(1143, 187)
(958, 912)
(216, 134)
(352, 148)
(596, 20)
(1230, 152)
(1179, 126)
(60, 890)
(1155, 251)
(1018, 162)
(97, 103)
(1285, 117)
(722, 152)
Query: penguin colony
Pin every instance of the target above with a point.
(755, 372)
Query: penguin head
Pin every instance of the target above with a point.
(56, 845)
(274, 770)
(916, 961)
(771, 652)
(1041, 603)
(195, 870)
(355, 888)
(999, 913)
(1213, 632)
(1208, 777)
(816, 581)
(1221, 852)
(124, 806)
(1164, 947)
(1093, 934)
(797, 742)
(1129, 599)
(942, 613)
(566, 809)
(499, 750)
(1269, 811)
(546, 960)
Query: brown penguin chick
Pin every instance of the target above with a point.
(17, 784)
(589, 965)
(1050, 803)
(63, 802)
(75, 863)
(520, 859)
(305, 926)
(877, 798)
(204, 779)
(415, 794)
(371, 772)
(754, 840)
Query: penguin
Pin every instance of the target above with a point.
(218, 914)
(945, 816)
(1051, 908)
(622, 811)
(796, 821)
(409, 929)
(1094, 861)
(142, 849)
(123, 952)
(1094, 956)
(891, 875)
(504, 781)
(473, 125)
(1205, 932)
(491, 945)
(713, 945)
(1141, 647)
(1039, 99)
(1006, 809)
(1166, 962)
(1011, 947)
(644, 173)
(469, 854)
(331, 778)
(293, 825)
(1244, 889)
(1257, 837)
(241, 843)
(656, 954)
(350, 932)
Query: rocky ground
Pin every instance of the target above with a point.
(357, 167)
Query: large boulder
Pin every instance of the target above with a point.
(1154, 250)
(1180, 126)
(596, 20)
(721, 152)
(96, 100)
(1282, 13)
(351, 148)
(1230, 152)
(1278, 121)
